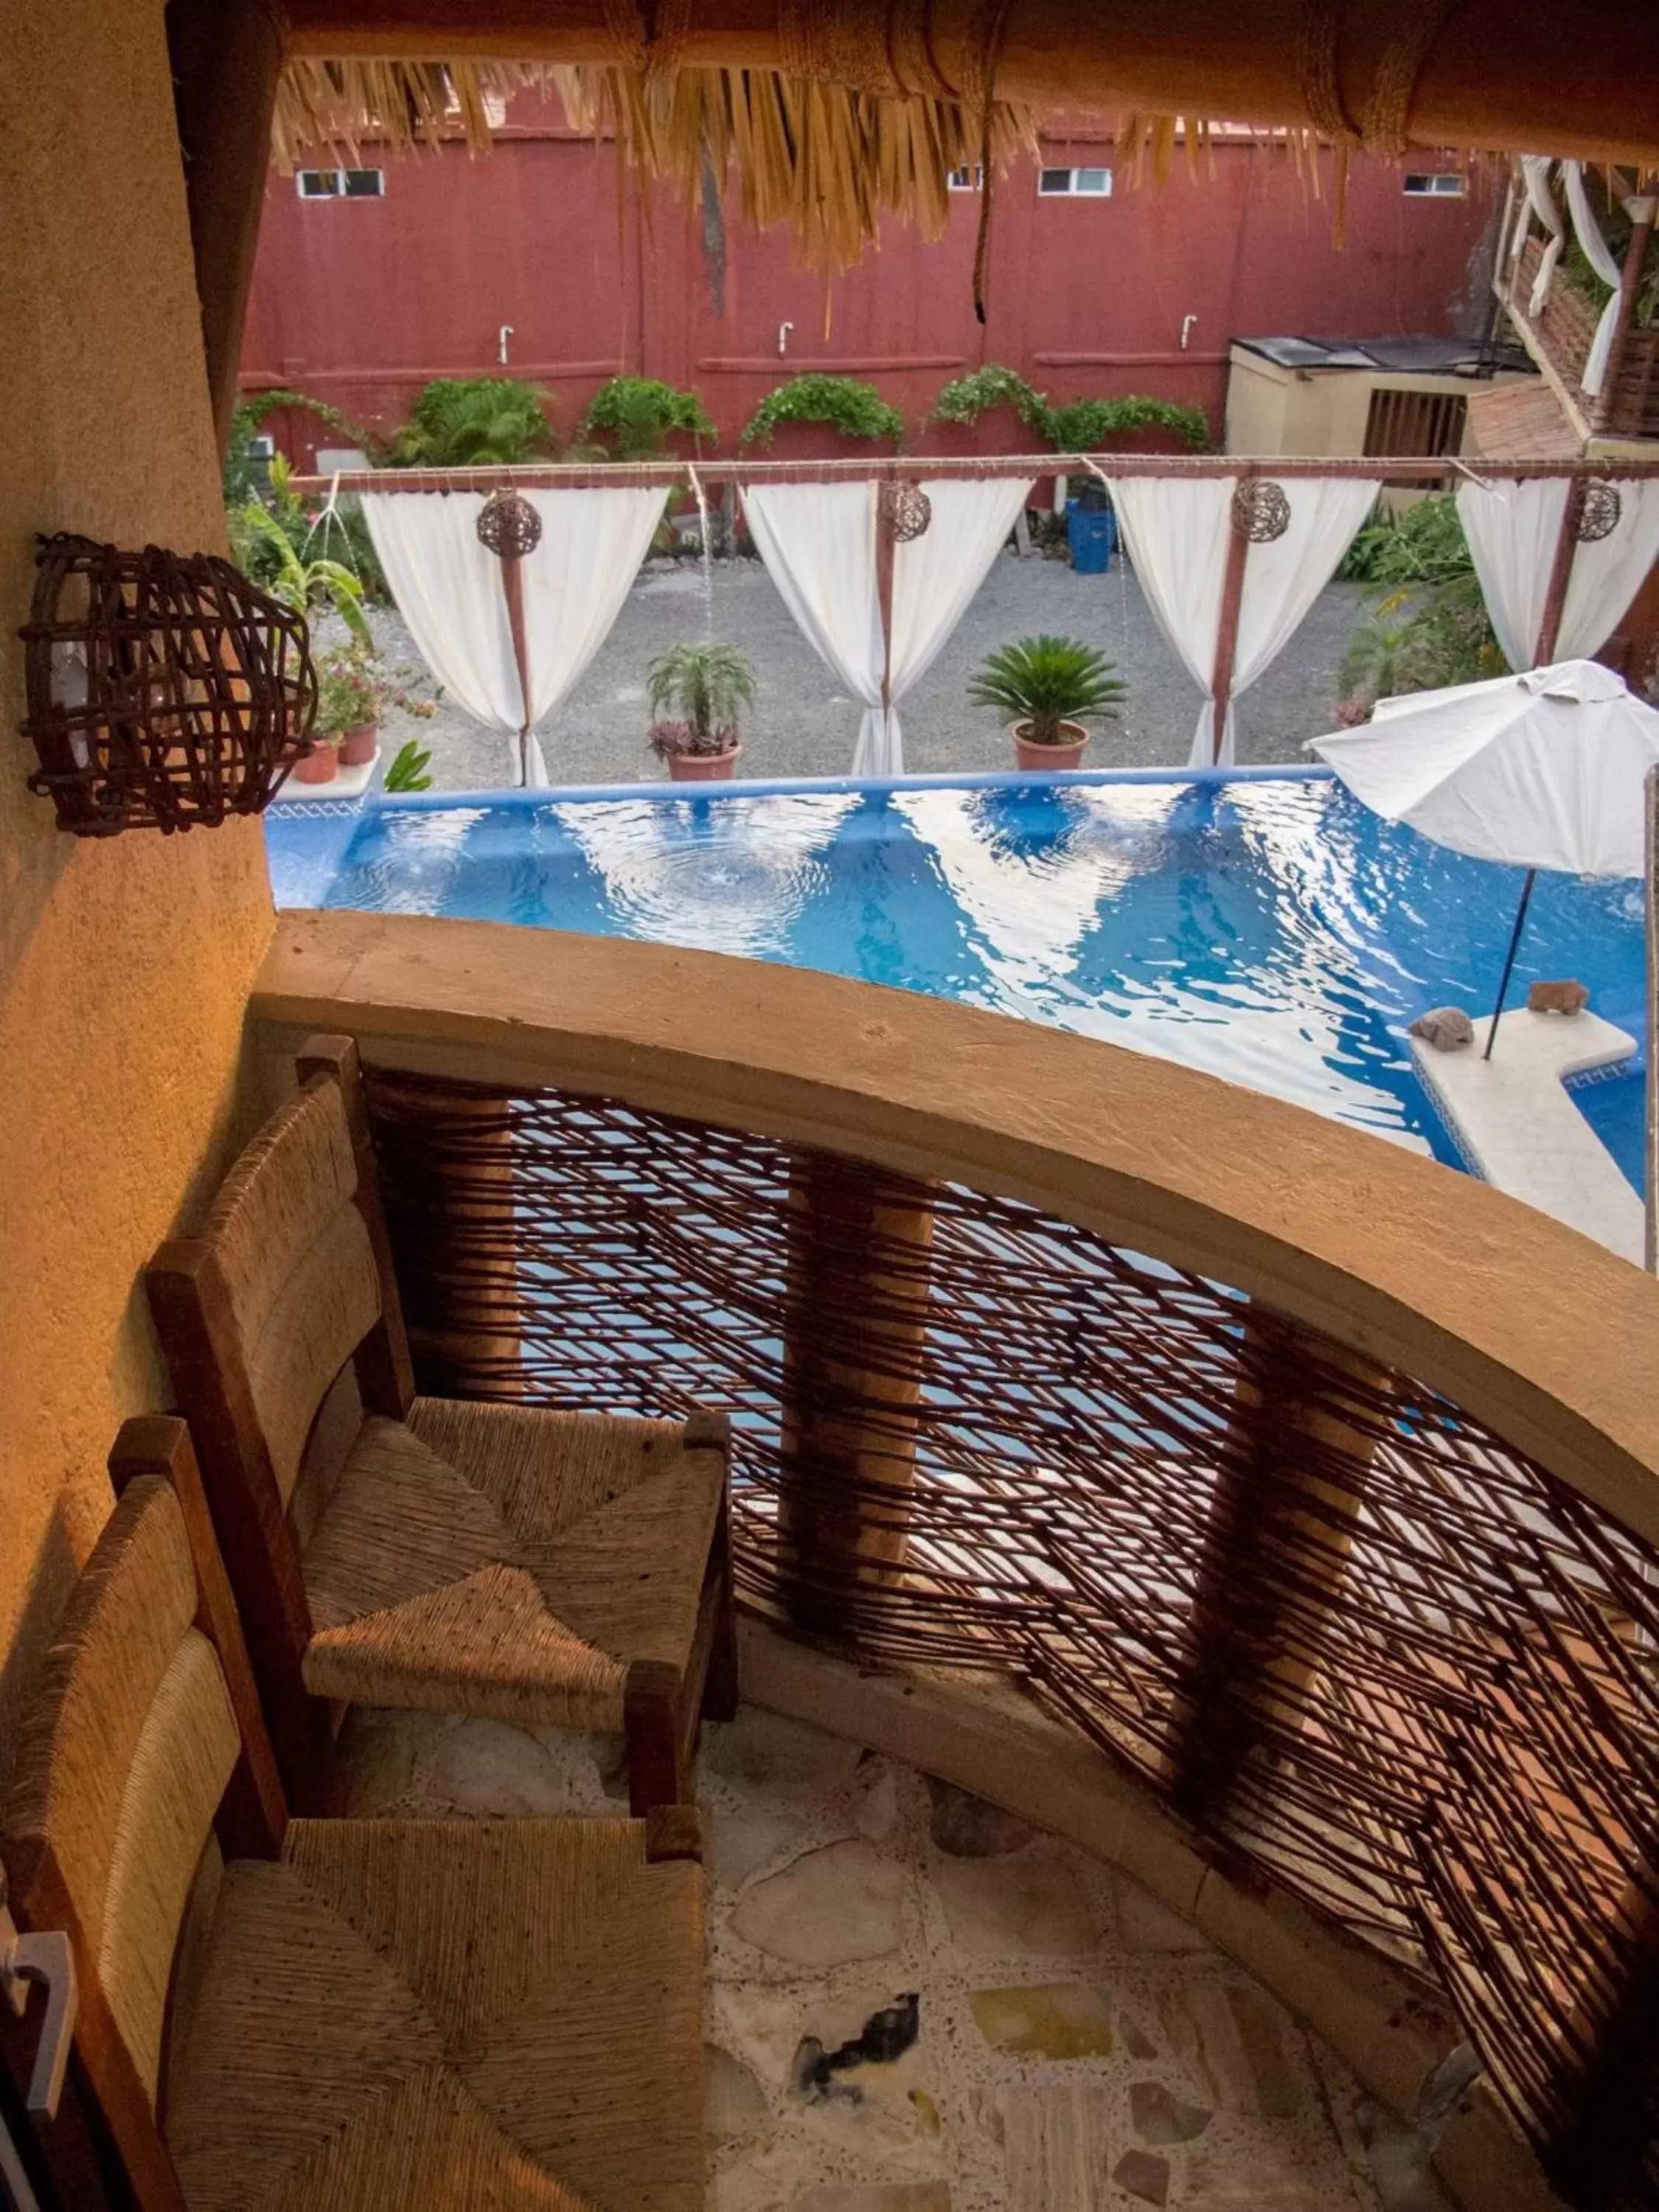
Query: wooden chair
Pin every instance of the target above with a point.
(368, 2015)
(556, 1570)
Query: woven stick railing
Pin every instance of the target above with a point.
(1363, 1645)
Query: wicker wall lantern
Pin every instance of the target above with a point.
(905, 510)
(162, 690)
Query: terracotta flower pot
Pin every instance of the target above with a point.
(320, 765)
(358, 747)
(1068, 754)
(702, 768)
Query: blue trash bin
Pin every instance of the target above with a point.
(1091, 533)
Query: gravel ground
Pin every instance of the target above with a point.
(803, 725)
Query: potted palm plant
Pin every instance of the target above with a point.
(1048, 687)
(703, 687)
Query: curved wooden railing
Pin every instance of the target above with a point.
(1316, 1485)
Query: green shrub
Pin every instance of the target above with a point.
(1046, 681)
(243, 473)
(857, 410)
(1429, 625)
(460, 422)
(633, 416)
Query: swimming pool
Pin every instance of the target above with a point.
(1262, 925)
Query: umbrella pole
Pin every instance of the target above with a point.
(1509, 964)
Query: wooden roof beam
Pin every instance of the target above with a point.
(1546, 80)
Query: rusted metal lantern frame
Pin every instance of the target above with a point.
(163, 690)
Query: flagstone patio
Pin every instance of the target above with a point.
(917, 2003)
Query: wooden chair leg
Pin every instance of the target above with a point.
(710, 1431)
(651, 1736)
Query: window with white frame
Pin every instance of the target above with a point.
(1074, 184)
(340, 184)
(1433, 184)
(966, 179)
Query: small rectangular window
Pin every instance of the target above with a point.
(1077, 184)
(340, 184)
(1433, 184)
(966, 179)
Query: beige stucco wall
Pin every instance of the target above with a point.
(125, 963)
(1304, 413)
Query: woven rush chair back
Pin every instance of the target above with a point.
(143, 1749)
(289, 1282)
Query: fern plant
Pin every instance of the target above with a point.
(473, 421)
(848, 404)
(1045, 681)
(634, 416)
(707, 685)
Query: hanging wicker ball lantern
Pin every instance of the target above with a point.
(509, 525)
(905, 511)
(1261, 510)
(1597, 508)
(163, 690)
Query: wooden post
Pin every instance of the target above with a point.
(858, 1266)
(252, 1819)
(1226, 638)
(886, 550)
(227, 56)
(1555, 597)
(1274, 1558)
(513, 587)
(1641, 211)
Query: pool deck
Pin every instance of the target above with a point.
(1517, 1124)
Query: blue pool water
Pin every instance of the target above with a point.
(1264, 927)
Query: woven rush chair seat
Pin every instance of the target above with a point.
(510, 1563)
(499, 1560)
(317, 2015)
(493, 2015)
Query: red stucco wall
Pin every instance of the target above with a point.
(361, 301)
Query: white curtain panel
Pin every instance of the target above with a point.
(1284, 577)
(1607, 574)
(1176, 531)
(575, 585)
(1512, 530)
(1601, 261)
(448, 587)
(937, 576)
(818, 542)
(1535, 175)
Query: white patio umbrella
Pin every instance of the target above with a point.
(1540, 770)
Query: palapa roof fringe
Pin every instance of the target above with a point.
(828, 160)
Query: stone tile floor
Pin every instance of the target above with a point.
(916, 2003)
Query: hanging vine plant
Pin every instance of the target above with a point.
(847, 404)
(965, 399)
(1080, 426)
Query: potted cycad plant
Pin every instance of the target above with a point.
(696, 693)
(1048, 687)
